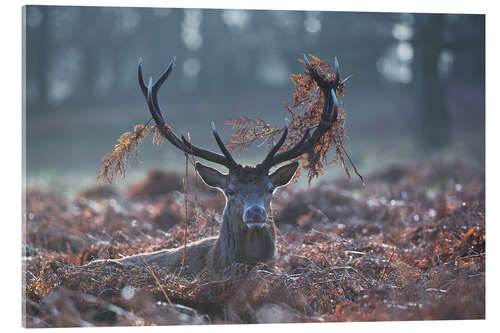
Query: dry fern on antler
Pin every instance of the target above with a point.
(115, 162)
(305, 114)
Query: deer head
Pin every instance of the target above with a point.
(248, 189)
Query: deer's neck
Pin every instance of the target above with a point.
(237, 244)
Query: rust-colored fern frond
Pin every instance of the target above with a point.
(115, 162)
(305, 113)
(247, 131)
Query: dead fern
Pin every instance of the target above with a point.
(115, 162)
(247, 131)
(305, 113)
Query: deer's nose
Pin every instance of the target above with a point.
(255, 214)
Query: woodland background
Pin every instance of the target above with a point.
(417, 89)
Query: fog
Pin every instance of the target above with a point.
(417, 90)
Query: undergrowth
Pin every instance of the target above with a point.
(410, 246)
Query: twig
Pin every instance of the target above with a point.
(382, 275)
(196, 215)
(345, 268)
(216, 282)
(146, 125)
(362, 276)
(185, 183)
(353, 166)
(326, 260)
(356, 252)
(185, 214)
(156, 280)
(474, 275)
(472, 256)
(309, 260)
(443, 291)
(336, 278)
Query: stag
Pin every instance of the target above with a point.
(247, 235)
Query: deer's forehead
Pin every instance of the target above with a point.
(248, 175)
(250, 178)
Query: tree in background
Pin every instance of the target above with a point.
(433, 127)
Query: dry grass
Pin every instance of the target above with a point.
(408, 246)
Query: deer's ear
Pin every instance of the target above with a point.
(210, 176)
(284, 174)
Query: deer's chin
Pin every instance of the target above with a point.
(255, 225)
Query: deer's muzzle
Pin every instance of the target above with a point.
(255, 217)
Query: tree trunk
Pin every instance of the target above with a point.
(433, 119)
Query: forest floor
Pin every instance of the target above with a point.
(410, 245)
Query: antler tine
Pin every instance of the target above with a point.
(298, 149)
(222, 146)
(267, 161)
(336, 67)
(150, 92)
(335, 106)
(306, 59)
(157, 116)
(157, 85)
(200, 152)
(143, 87)
(165, 74)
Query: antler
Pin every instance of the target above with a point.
(328, 119)
(150, 93)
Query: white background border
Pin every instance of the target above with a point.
(11, 148)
